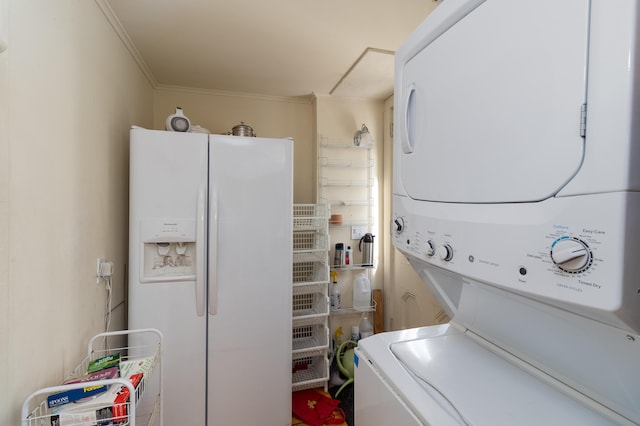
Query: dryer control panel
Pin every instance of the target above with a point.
(543, 251)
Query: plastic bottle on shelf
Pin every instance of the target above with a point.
(365, 327)
(336, 298)
(362, 292)
(355, 333)
(338, 257)
(348, 256)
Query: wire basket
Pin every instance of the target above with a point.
(310, 217)
(310, 305)
(311, 210)
(117, 403)
(321, 287)
(309, 372)
(310, 256)
(310, 241)
(311, 339)
(310, 273)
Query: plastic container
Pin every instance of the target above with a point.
(355, 333)
(338, 257)
(336, 298)
(365, 327)
(362, 293)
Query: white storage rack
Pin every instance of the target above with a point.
(310, 304)
(35, 411)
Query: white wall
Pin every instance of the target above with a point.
(69, 91)
(272, 117)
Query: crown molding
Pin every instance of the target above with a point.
(124, 37)
(303, 99)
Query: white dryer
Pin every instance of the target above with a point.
(517, 201)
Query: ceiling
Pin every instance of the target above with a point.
(284, 48)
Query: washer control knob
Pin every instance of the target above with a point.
(398, 224)
(430, 249)
(571, 254)
(445, 252)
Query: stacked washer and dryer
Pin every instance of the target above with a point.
(517, 200)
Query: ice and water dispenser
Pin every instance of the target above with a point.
(168, 250)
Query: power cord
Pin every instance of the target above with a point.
(106, 273)
(107, 315)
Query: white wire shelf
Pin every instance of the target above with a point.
(343, 164)
(352, 311)
(346, 183)
(326, 143)
(350, 203)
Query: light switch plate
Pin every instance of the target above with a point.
(357, 232)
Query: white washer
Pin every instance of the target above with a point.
(517, 201)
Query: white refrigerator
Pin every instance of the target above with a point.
(210, 257)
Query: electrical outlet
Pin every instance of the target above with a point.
(357, 232)
(99, 277)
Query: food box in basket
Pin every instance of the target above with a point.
(105, 409)
(104, 363)
(135, 366)
(65, 397)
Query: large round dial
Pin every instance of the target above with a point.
(571, 254)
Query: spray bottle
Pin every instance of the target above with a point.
(336, 301)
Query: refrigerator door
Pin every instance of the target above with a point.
(250, 257)
(167, 189)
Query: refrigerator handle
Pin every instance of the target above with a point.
(201, 238)
(213, 253)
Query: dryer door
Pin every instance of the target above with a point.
(491, 109)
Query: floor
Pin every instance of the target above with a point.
(346, 401)
(346, 404)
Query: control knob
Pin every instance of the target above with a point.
(430, 249)
(571, 254)
(398, 224)
(445, 252)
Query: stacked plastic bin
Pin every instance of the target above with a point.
(310, 304)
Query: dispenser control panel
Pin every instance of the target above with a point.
(168, 250)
